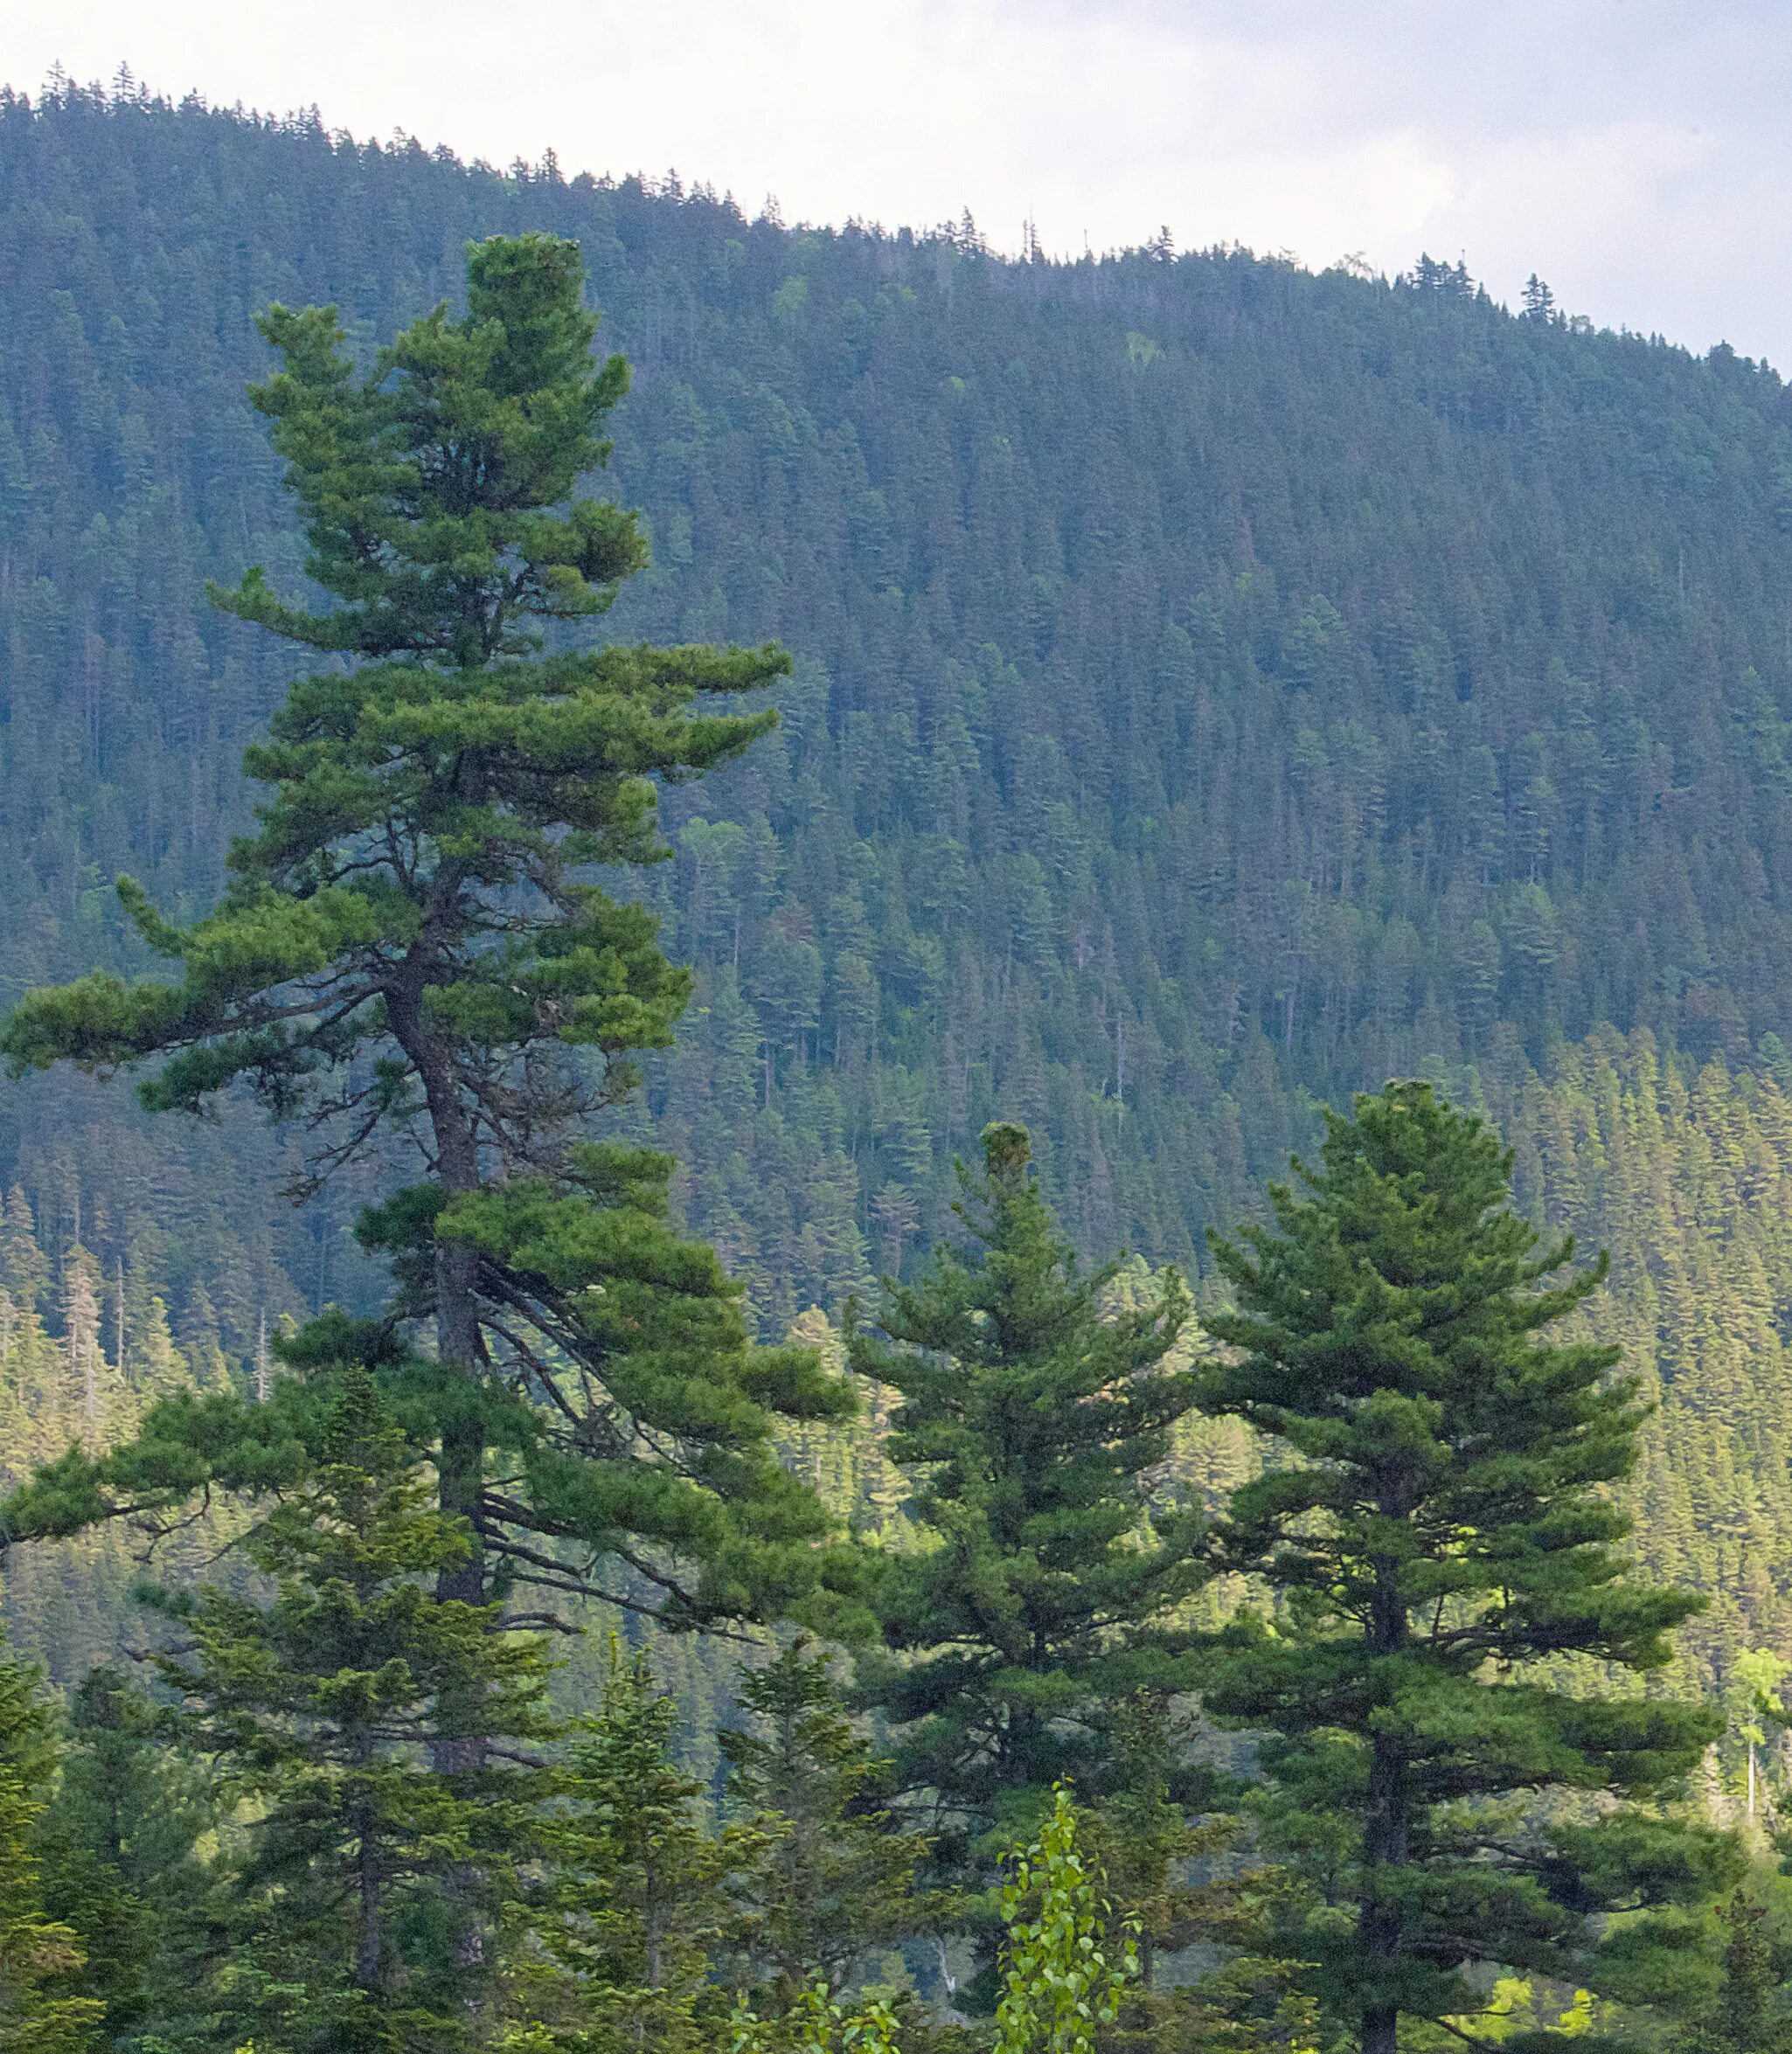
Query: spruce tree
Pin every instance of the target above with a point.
(637, 1904)
(415, 951)
(44, 2008)
(121, 1866)
(1450, 1766)
(1042, 1594)
(1750, 2014)
(829, 1879)
(371, 1877)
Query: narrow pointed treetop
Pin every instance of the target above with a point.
(1035, 1421)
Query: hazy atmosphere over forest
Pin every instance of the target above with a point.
(680, 870)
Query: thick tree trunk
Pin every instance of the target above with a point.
(458, 1746)
(1385, 1845)
(1380, 2031)
(461, 1464)
(461, 1461)
(460, 1749)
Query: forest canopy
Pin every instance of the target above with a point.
(1213, 688)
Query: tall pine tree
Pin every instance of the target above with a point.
(1453, 1595)
(415, 951)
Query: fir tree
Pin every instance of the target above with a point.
(1750, 2014)
(1447, 1562)
(121, 1864)
(1172, 1842)
(1042, 1594)
(829, 1880)
(637, 1904)
(369, 1877)
(42, 2009)
(25, 1269)
(1539, 303)
(413, 946)
(84, 1390)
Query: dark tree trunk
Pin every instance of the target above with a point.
(370, 1940)
(458, 1748)
(461, 1464)
(1387, 1822)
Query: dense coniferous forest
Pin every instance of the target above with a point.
(1216, 688)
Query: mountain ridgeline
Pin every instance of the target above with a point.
(1217, 687)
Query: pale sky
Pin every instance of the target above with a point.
(1636, 153)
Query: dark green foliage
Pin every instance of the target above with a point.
(369, 1878)
(830, 1882)
(1219, 687)
(636, 1906)
(122, 1865)
(44, 2008)
(1448, 1565)
(1044, 1590)
(1750, 2014)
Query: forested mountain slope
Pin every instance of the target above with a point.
(1217, 687)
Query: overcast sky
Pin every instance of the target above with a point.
(1636, 153)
